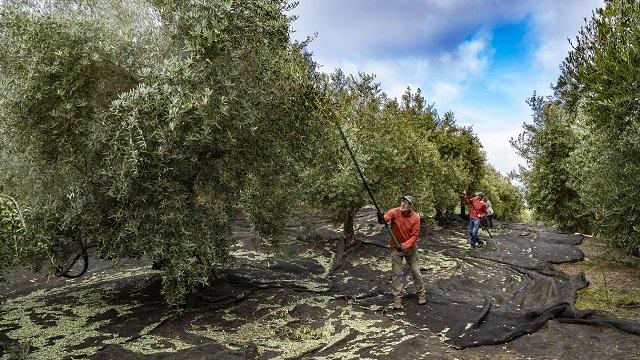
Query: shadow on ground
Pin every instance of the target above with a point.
(503, 301)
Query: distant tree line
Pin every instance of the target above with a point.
(143, 128)
(583, 147)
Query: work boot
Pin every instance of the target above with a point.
(397, 303)
(422, 298)
(480, 243)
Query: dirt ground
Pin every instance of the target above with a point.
(614, 280)
(299, 305)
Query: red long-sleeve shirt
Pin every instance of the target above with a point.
(478, 207)
(406, 229)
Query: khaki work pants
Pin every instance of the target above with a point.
(411, 254)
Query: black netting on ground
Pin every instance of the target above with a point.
(483, 296)
(490, 295)
(305, 302)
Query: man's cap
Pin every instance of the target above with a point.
(408, 199)
(480, 193)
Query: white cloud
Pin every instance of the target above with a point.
(495, 127)
(365, 27)
(474, 55)
(444, 48)
(499, 151)
(445, 92)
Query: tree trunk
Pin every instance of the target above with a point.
(346, 240)
(347, 229)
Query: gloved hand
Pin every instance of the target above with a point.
(380, 218)
(400, 248)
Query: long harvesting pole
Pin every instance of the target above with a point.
(355, 161)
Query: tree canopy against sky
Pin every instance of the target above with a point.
(585, 140)
(147, 141)
(144, 128)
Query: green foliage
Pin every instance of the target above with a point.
(144, 128)
(464, 160)
(506, 199)
(408, 161)
(59, 73)
(547, 145)
(18, 351)
(331, 181)
(600, 82)
(582, 148)
(10, 228)
(146, 138)
(606, 175)
(402, 147)
(389, 141)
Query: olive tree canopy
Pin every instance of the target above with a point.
(145, 136)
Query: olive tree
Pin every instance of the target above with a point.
(547, 145)
(506, 199)
(148, 138)
(464, 161)
(59, 72)
(599, 83)
(348, 104)
(390, 144)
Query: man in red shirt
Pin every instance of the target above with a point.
(405, 226)
(477, 212)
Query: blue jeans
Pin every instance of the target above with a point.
(474, 225)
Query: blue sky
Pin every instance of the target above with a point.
(480, 59)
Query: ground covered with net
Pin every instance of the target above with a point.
(502, 301)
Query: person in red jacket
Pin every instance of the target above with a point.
(477, 213)
(405, 226)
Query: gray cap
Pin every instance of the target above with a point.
(480, 193)
(408, 199)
